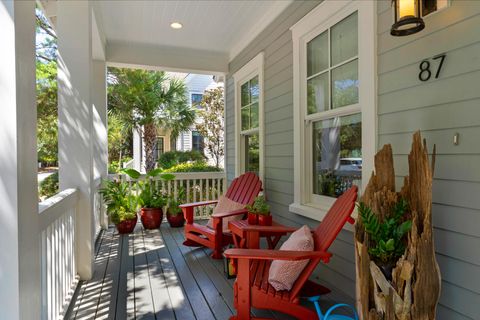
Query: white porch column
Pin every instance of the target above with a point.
(100, 140)
(76, 120)
(19, 238)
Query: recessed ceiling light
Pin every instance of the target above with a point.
(176, 25)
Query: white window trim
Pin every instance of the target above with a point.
(319, 19)
(253, 68)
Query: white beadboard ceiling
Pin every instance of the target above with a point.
(134, 33)
(216, 26)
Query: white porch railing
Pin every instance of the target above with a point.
(99, 217)
(198, 186)
(58, 265)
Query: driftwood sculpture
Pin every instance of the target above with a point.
(414, 288)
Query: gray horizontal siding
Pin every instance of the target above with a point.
(440, 108)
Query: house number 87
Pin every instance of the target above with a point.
(425, 72)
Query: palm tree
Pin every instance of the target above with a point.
(148, 99)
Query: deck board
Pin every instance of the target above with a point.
(150, 275)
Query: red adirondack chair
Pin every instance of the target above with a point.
(252, 289)
(243, 189)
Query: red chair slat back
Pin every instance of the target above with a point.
(244, 188)
(335, 219)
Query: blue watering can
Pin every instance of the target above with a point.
(328, 315)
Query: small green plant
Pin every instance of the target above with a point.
(388, 235)
(121, 203)
(259, 206)
(174, 204)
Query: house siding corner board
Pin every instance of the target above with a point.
(440, 107)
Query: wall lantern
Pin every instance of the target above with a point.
(407, 18)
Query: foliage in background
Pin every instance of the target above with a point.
(387, 235)
(211, 113)
(48, 187)
(115, 166)
(173, 158)
(259, 206)
(119, 138)
(197, 166)
(147, 99)
(46, 89)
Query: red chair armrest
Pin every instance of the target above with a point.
(222, 215)
(261, 254)
(198, 204)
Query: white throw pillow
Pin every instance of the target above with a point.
(226, 205)
(283, 274)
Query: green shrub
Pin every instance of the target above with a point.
(48, 187)
(113, 165)
(197, 166)
(173, 158)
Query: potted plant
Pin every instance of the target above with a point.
(259, 212)
(121, 205)
(150, 199)
(174, 213)
(387, 237)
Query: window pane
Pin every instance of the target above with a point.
(254, 89)
(196, 99)
(344, 39)
(317, 94)
(337, 155)
(197, 141)
(245, 118)
(252, 158)
(245, 99)
(254, 116)
(345, 84)
(317, 54)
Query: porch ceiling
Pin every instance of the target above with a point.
(213, 33)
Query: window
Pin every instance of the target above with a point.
(334, 103)
(159, 147)
(196, 99)
(249, 117)
(197, 141)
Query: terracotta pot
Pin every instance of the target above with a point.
(151, 217)
(264, 220)
(252, 218)
(126, 226)
(175, 220)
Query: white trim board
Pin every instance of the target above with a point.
(315, 22)
(253, 68)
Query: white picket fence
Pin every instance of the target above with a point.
(58, 266)
(198, 186)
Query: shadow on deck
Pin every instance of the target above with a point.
(151, 275)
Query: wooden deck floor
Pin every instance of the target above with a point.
(151, 275)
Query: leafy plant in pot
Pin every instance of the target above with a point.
(150, 199)
(259, 212)
(387, 236)
(121, 205)
(174, 213)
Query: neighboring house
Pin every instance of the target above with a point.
(189, 140)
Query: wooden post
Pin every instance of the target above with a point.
(416, 272)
